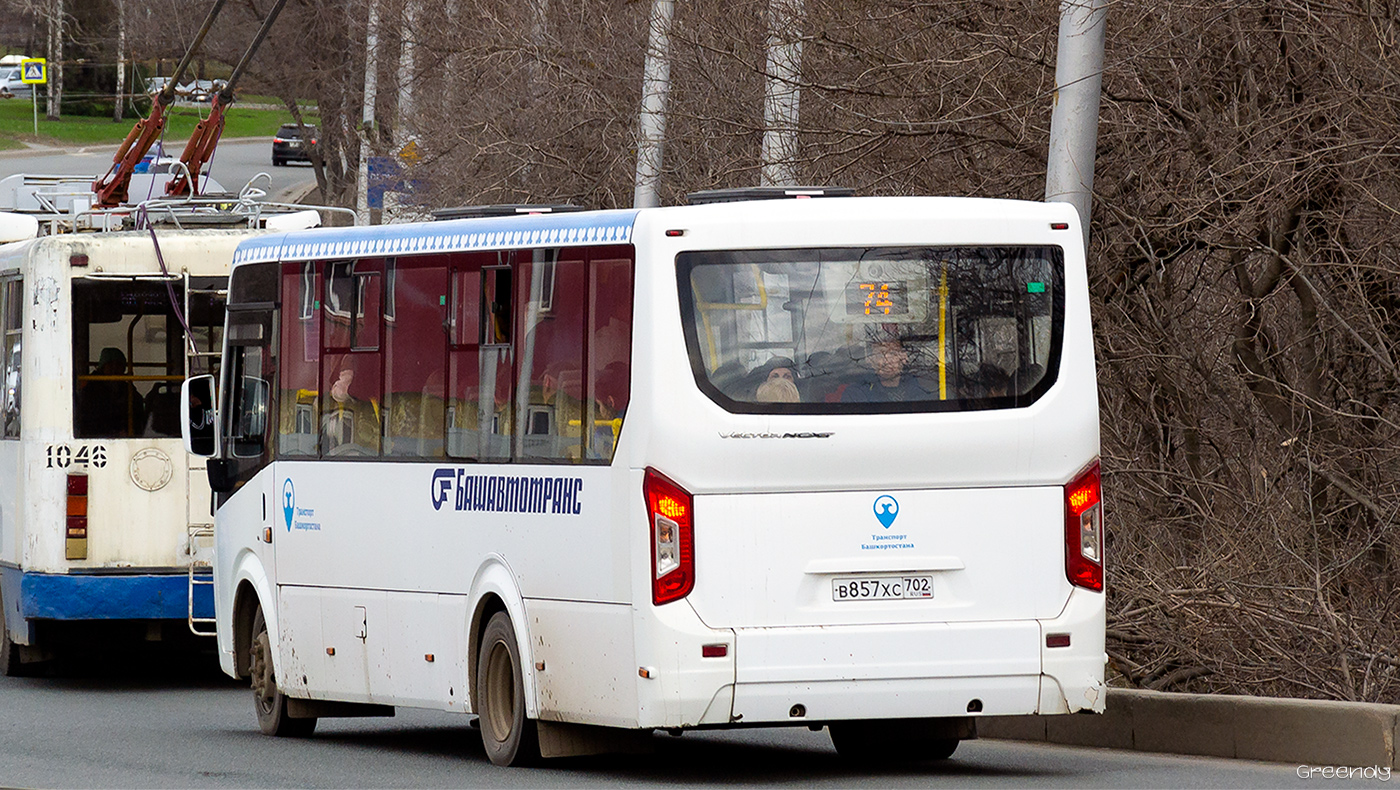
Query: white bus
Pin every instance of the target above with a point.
(826, 462)
(102, 513)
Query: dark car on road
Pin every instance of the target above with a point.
(289, 146)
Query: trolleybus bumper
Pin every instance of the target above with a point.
(107, 595)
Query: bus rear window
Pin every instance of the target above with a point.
(871, 330)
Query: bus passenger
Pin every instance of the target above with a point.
(111, 408)
(891, 383)
(777, 390)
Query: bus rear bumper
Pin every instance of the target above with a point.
(116, 595)
(797, 675)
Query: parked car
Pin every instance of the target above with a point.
(10, 84)
(289, 146)
(199, 91)
(155, 85)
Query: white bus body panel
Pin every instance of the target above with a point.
(365, 551)
(777, 518)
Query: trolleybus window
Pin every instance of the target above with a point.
(873, 330)
(130, 353)
(12, 323)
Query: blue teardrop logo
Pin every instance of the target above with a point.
(886, 509)
(289, 498)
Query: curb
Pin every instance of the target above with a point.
(1298, 731)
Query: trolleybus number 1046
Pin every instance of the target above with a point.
(61, 456)
(881, 588)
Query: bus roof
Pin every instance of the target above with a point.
(586, 228)
(463, 235)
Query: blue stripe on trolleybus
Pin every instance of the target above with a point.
(57, 596)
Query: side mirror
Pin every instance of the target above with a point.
(198, 416)
(221, 475)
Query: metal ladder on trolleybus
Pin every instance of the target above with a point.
(199, 519)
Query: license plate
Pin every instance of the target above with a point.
(881, 588)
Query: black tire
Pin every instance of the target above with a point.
(862, 742)
(278, 162)
(10, 663)
(268, 700)
(507, 735)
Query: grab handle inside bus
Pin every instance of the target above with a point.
(198, 420)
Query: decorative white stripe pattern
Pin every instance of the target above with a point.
(613, 227)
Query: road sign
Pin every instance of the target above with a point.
(34, 71)
(409, 153)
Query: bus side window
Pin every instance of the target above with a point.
(351, 384)
(415, 350)
(480, 395)
(250, 397)
(551, 298)
(299, 411)
(12, 324)
(609, 354)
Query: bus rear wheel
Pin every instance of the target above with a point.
(507, 735)
(870, 741)
(268, 700)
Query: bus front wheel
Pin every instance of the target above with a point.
(507, 735)
(268, 700)
(868, 741)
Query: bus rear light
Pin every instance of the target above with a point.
(76, 523)
(672, 538)
(1084, 530)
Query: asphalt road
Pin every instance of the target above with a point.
(156, 723)
(235, 162)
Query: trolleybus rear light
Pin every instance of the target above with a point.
(714, 651)
(76, 521)
(672, 537)
(1059, 226)
(674, 232)
(78, 261)
(1057, 640)
(1084, 530)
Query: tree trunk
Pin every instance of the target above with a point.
(55, 86)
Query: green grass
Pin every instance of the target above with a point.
(17, 124)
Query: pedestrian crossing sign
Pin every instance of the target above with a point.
(34, 71)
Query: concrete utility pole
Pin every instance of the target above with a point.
(121, 59)
(656, 84)
(1069, 171)
(367, 114)
(781, 93)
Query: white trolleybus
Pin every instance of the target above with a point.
(826, 462)
(105, 523)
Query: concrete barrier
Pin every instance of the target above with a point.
(1302, 732)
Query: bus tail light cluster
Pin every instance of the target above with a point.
(672, 538)
(75, 547)
(1084, 530)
